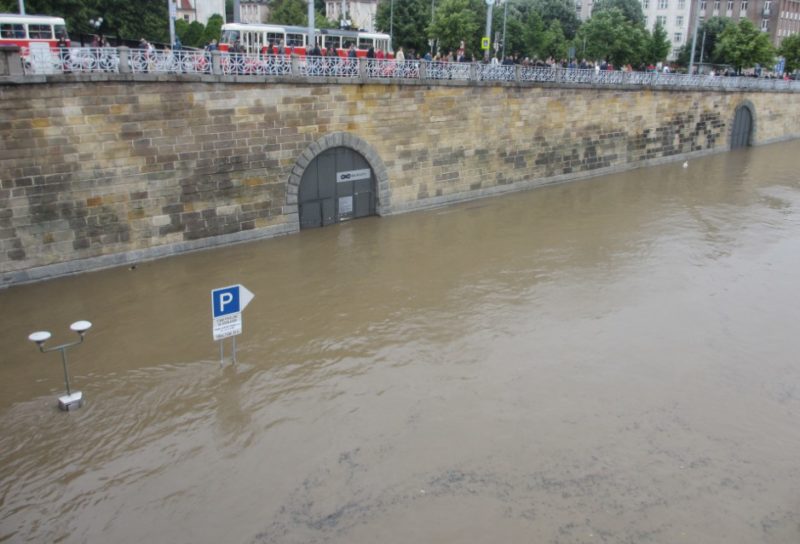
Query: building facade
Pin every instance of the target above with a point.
(779, 18)
(360, 13)
(253, 11)
(674, 16)
(199, 10)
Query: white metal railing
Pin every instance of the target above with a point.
(331, 66)
(172, 62)
(255, 65)
(448, 70)
(496, 72)
(88, 59)
(392, 69)
(139, 61)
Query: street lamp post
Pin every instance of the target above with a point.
(391, 26)
(488, 33)
(432, 41)
(172, 10)
(311, 30)
(505, 17)
(694, 36)
(71, 399)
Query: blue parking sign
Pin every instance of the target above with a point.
(225, 301)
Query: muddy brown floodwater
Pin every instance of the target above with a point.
(613, 360)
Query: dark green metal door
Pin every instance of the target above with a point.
(336, 186)
(742, 128)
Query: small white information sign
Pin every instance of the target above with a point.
(353, 175)
(227, 325)
(345, 205)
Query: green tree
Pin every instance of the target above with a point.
(514, 38)
(553, 43)
(743, 45)
(631, 9)
(213, 29)
(790, 50)
(408, 24)
(657, 45)
(712, 28)
(563, 10)
(191, 34)
(288, 12)
(457, 20)
(609, 35)
(533, 33)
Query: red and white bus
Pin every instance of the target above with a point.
(253, 38)
(32, 32)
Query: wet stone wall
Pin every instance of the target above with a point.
(101, 173)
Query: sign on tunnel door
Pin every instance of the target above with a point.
(345, 205)
(353, 175)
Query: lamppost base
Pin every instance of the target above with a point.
(70, 402)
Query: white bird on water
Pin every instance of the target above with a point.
(686, 164)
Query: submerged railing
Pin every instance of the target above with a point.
(137, 61)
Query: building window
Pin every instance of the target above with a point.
(663, 4)
(645, 21)
(678, 38)
(743, 8)
(716, 6)
(679, 21)
(702, 5)
(681, 4)
(764, 25)
(730, 6)
(661, 20)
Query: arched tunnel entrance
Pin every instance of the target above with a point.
(337, 185)
(337, 177)
(742, 131)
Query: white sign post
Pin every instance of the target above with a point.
(227, 304)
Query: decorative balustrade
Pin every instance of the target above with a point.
(78, 60)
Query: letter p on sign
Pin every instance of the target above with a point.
(225, 301)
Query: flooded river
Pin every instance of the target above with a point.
(613, 360)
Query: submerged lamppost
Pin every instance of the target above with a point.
(71, 399)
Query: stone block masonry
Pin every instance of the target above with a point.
(103, 173)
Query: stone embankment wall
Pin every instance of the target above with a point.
(100, 173)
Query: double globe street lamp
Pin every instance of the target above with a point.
(71, 399)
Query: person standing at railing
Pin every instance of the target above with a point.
(400, 57)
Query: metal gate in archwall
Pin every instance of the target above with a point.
(337, 185)
(742, 127)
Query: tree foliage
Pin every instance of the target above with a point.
(563, 10)
(288, 12)
(631, 9)
(705, 49)
(457, 20)
(610, 35)
(743, 45)
(408, 23)
(121, 18)
(790, 50)
(554, 43)
(656, 46)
